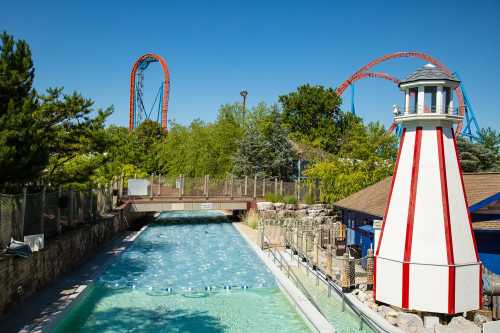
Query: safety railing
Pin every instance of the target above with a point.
(49, 212)
(323, 247)
(229, 186)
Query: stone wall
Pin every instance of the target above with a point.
(22, 277)
(288, 214)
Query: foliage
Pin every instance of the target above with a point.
(312, 115)
(264, 149)
(21, 139)
(479, 157)
(290, 199)
(251, 219)
(273, 197)
(40, 134)
(365, 158)
(201, 148)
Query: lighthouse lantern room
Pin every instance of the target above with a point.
(426, 258)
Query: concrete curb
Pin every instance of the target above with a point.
(312, 317)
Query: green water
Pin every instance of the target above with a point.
(159, 285)
(107, 310)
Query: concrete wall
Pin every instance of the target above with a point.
(20, 278)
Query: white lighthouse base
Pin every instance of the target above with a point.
(424, 287)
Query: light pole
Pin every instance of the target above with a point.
(244, 94)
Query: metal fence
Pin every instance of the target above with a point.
(323, 247)
(228, 186)
(50, 212)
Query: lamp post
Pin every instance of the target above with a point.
(244, 94)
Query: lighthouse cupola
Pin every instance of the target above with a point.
(426, 257)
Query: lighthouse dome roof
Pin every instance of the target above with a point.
(429, 72)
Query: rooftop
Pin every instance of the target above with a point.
(429, 72)
(372, 200)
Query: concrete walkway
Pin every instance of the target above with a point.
(39, 312)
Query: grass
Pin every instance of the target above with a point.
(252, 219)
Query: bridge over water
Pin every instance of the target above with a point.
(158, 193)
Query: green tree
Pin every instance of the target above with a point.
(478, 157)
(312, 114)
(490, 139)
(23, 154)
(265, 149)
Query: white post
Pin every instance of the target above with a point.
(246, 186)
(439, 100)
(407, 101)
(420, 100)
(255, 186)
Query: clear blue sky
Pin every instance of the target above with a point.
(214, 49)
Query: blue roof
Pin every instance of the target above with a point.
(368, 228)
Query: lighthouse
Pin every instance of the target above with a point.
(426, 258)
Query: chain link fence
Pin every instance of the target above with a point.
(50, 212)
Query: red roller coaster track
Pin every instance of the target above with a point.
(166, 88)
(362, 73)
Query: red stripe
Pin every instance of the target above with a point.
(451, 289)
(375, 278)
(390, 190)
(480, 286)
(465, 195)
(406, 285)
(447, 222)
(411, 216)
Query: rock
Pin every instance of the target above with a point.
(479, 320)
(372, 306)
(301, 213)
(279, 205)
(264, 205)
(383, 310)
(302, 206)
(362, 296)
(431, 321)
(290, 206)
(409, 322)
(458, 325)
(425, 330)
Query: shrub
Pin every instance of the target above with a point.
(290, 199)
(252, 219)
(273, 197)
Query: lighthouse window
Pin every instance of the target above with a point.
(413, 100)
(430, 99)
(447, 98)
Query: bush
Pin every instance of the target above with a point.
(309, 199)
(290, 199)
(273, 197)
(252, 219)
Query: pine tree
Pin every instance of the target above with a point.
(22, 152)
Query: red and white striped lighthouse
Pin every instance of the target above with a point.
(426, 258)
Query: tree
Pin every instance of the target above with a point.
(265, 149)
(23, 154)
(477, 157)
(40, 134)
(490, 139)
(312, 114)
(71, 132)
(366, 156)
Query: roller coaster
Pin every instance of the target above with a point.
(468, 128)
